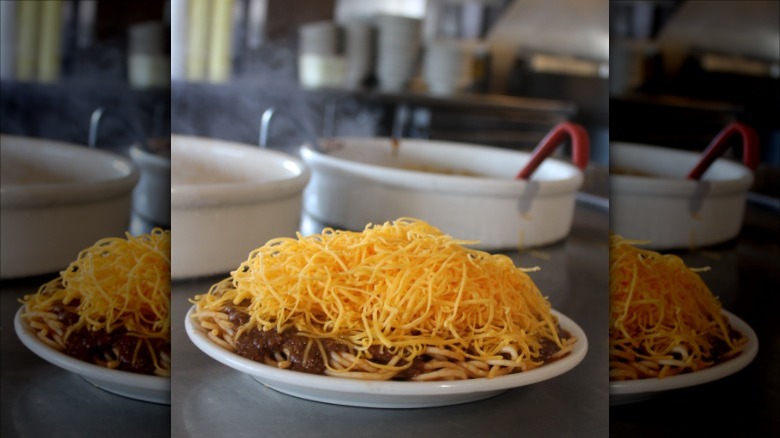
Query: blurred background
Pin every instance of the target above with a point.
(94, 74)
(682, 70)
(492, 72)
(63, 59)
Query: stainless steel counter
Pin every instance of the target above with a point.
(210, 399)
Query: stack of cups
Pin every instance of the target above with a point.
(447, 68)
(399, 47)
(320, 63)
(359, 50)
(148, 64)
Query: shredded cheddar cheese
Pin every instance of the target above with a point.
(402, 285)
(664, 319)
(115, 283)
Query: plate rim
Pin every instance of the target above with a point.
(103, 377)
(345, 386)
(716, 372)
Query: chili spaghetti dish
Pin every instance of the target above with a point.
(664, 320)
(397, 301)
(111, 306)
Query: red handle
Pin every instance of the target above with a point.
(718, 146)
(580, 145)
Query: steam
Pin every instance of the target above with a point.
(92, 74)
(267, 77)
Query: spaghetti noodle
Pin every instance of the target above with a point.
(664, 319)
(399, 301)
(111, 306)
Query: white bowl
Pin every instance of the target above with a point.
(156, 389)
(57, 199)
(152, 195)
(668, 210)
(362, 180)
(228, 199)
(388, 394)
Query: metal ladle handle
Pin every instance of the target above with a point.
(94, 124)
(94, 127)
(265, 127)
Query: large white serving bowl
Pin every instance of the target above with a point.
(57, 199)
(152, 195)
(373, 180)
(666, 209)
(228, 199)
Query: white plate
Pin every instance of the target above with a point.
(629, 391)
(349, 392)
(143, 387)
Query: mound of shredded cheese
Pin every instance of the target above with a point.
(117, 282)
(664, 319)
(403, 285)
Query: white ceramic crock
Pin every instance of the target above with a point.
(369, 180)
(228, 199)
(152, 195)
(668, 210)
(57, 199)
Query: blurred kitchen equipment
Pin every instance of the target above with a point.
(720, 61)
(579, 143)
(148, 63)
(152, 195)
(447, 67)
(209, 40)
(39, 40)
(651, 200)
(632, 65)
(359, 42)
(95, 120)
(750, 153)
(178, 25)
(748, 29)
(571, 29)
(557, 50)
(467, 190)
(265, 129)
(399, 43)
(57, 199)
(228, 199)
(320, 59)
